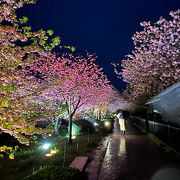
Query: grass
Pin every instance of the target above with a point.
(25, 162)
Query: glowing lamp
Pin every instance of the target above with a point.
(156, 111)
(48, 155)
(95, 123)
(46, 146)
(73, 137)
(107, 123)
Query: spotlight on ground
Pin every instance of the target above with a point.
(95, 123)
(73, 137)
(46, 146)
(48, 155)
(107, 123)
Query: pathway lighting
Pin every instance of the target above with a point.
(156, 111)
(46, 146)
(48, 155)
(95, 123)
(107, 123)
(73, 137)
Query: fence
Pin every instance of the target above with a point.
(165, 132)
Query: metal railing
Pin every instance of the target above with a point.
(168, 134)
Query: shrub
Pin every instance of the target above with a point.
(56, 173)
(84, 126)
(63, 130)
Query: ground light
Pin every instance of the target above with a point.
(107, 123)
(95, 123)
(46, 146)
(73, 137)
(48, 155)
(52, 152)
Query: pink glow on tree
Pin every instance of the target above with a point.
(155, 62)
(76, 81)
(14, 115)
(117, 101)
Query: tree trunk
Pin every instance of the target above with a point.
(69, 129)
(70, 116)
(69, 123)
(100, 115)
(93, 116)
(56, 126)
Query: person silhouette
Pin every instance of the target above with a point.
(121, 123)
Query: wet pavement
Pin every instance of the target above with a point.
(136, 157)
(96, 158)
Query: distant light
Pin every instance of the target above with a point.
(46, 146)
(95, 123)
(48, 155)
(73, 137)
(107, 123)
(156, 111)
(49, 134)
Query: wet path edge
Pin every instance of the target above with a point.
(96, 158)
(135, 157)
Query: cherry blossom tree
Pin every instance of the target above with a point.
(117, 101)
(76, 81)
(96, 111)
(47, 109)
(155, 62)
(18, 47)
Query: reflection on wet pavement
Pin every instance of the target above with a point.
(122, 147)
(94, 164)
(134, 157)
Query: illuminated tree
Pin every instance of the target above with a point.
(18, 47)
(47, 109)
(76, 81)
(155, 62)
(117, 101)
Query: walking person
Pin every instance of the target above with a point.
(122, 123)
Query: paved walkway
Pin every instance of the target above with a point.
(135, 157)
(96, 159)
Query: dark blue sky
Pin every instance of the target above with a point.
(104, 27)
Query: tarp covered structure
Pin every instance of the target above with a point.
(167, 104)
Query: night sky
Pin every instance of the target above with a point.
(104, 27)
